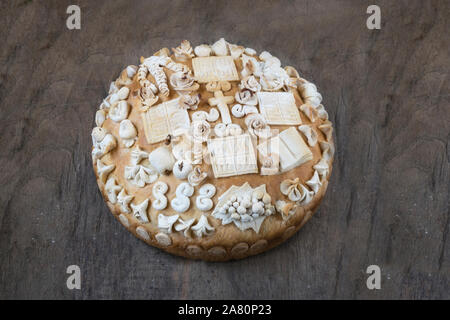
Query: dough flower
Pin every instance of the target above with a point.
(184, 51)
(291, 188)
(200, 130)
(182, 81)
(250, 83)
(246, 97)
(257, 125)
(190, 101)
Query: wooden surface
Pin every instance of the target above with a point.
(387, 92)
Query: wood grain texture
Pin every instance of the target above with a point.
(387, 92)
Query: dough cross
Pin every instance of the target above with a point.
(222, 102)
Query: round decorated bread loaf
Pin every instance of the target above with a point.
(212, 152)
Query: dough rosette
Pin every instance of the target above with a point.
(257, 125)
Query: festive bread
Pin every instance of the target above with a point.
(212, 152)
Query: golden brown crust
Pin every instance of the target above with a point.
(227, 242)
(232, 247)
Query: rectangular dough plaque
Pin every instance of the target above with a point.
(291, 148)
(232, 156)
(279, 108)
(207, 69)
(163, 119)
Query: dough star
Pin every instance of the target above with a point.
(140, 210)
(104, 170)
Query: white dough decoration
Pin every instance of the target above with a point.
(181, 202)
(296, 191)
(140, 211)
(314, 183)
(294, 78)
(250, 83)
(327, 130)
(155, 64)
(147, 94)
(308, 195)
(161, 159)
(233, 154)
(322, 113)
(102, 141)
(202, 228)
(213, 86)
(279, 108)
(292, 189)
(212, 116)
(182, 147)
(225, 130)
(104, 170)
(140, 175)
(184, 225)
(142, 72)
(183, 81)
(322, 168)
(123, 199)
(112, 189)
(250, 66)
(198, 152)
(222, 102)
(327, 150)
(123, 93)
(309, 93)
(202, 50)
(197, 176)
(137, 155)
(100, 117)
(220, 130)
(235, 50)
(128, 133)
(270, 164)
(119, 111)
(203, 201)
(240, 111)
(246, 97)
(184, 51)
(257, 126)
(273, 77)
(292, 73)
(131, 71)
(181, 169)
(250, 109)
(159, 190)
(250, 51)
(164, 119)
(244, 206)
(286, 209)
(200, 131)
(105, 104)
(190, 101)
(165, 223)
(291, 148)
(309, 111)
(309, 133)
(113, 99)
(220, 48)
(123, 79)
(112, 88)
